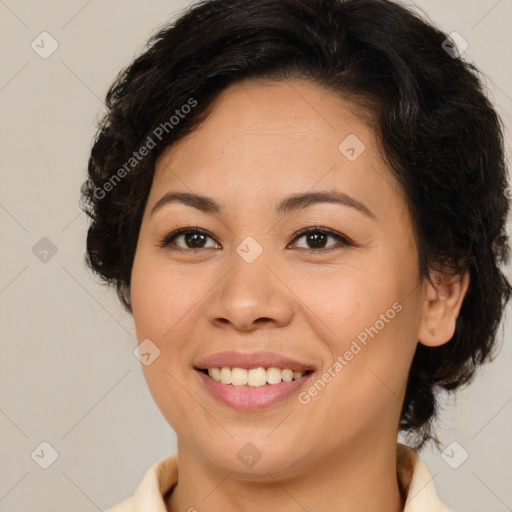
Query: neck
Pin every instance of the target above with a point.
(347, 480)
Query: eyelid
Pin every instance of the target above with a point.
(342, 239)
(169, 238)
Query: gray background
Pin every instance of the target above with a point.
(68, 376)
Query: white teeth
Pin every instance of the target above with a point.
(238, 376)
(257, 377)
(287, 375)
(273, 375)
(215, 373)
(254, 377)
(225, 376)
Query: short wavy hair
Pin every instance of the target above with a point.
(437, 129)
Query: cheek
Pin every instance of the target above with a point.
(163, 309)
(342, 301)
(365, 316)
(162, 298)
(168, 309)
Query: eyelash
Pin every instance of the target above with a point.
(343, 241)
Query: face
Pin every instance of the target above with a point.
(326, 284)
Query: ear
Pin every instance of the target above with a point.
(441, 307)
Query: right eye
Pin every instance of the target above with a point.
(193, 239)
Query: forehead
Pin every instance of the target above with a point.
(266, 140)
(279, 125)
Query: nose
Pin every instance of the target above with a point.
(251, 296)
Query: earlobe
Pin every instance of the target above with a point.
(441, 308)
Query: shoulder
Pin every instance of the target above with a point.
(418, 484)
(128, 505)
(159, 478)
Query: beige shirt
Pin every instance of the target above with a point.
(413, 475)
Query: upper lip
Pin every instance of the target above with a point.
(234, 359)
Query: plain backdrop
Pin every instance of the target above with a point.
(68, 376)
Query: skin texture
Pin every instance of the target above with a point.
(262, 142)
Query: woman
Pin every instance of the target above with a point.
(303, 205)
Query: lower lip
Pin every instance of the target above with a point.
(250, 398)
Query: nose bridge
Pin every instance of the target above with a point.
(250, 291)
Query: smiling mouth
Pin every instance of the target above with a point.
(253, 377)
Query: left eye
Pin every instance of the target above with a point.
(318, 237)
(315, 237)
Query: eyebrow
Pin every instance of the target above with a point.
(291, 203)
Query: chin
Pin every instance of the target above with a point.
(254, 460)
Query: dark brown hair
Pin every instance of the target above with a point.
(438, 131)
